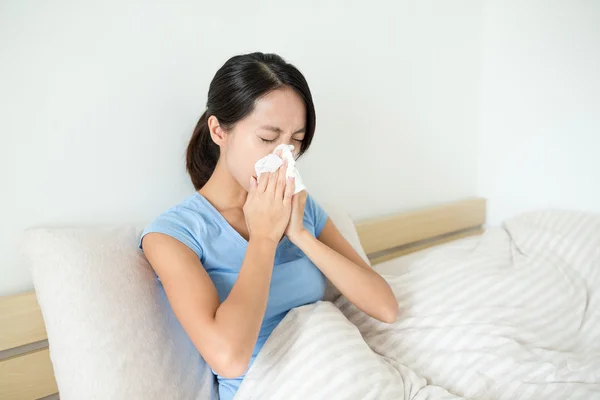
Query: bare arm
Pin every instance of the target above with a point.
(347, 271)
(224, 333)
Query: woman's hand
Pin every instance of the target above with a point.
(269, 204)
(295, 227)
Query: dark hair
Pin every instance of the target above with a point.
(232, 95)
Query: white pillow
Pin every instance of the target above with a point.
(345, 225)
(111, 331)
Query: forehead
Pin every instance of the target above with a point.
(283, 108)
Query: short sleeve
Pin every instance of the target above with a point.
(317, 215)
(177, 224)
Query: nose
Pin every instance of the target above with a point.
(296, 146)
(295, 150)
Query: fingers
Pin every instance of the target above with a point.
(253, 185)
(272, 184)
(274, 177)
(302, 196)
(263, 180)
(279, 192)
(289, 190)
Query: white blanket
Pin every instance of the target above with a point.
(514, 314)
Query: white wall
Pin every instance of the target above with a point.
(99, 99)
(540, 106)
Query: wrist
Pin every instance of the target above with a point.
(300, 237)
(263, 242)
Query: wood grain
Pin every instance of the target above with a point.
(21, 321)
(27, 376)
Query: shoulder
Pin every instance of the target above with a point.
(312, 206)
(185, 222)
(315, 215)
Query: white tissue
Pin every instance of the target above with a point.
(271, 163)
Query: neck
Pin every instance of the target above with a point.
(222, 190)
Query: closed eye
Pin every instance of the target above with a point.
(268, 140)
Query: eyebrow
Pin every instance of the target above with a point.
(279, 130)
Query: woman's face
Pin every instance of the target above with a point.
(278, 118)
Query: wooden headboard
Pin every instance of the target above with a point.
(26, 370)
(396, 235)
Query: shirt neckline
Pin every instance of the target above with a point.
(223, 222)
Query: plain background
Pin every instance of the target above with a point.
(419, 102)
(539, 138)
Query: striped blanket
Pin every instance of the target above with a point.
(513, 314)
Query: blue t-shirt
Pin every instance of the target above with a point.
(295, 281)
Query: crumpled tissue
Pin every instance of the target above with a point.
(272, 162)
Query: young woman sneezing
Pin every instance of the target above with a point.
(241, 251)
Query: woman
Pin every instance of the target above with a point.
(239, 253)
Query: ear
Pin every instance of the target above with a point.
(217, 133)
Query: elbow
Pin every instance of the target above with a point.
(382, 306)
(389, 317)
(389, 313)
(232, 363)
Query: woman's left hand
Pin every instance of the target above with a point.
(295, 227)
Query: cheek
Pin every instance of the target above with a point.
(241, 158)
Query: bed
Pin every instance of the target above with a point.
(511, 314)
(476, 342)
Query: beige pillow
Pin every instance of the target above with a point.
(345, 225)
(111, 331)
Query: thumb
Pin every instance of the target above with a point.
(253, 184)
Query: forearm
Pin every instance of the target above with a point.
(240, 316)
(362, 286)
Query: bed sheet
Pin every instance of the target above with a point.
(512, 314)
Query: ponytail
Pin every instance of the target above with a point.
(202, 154)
